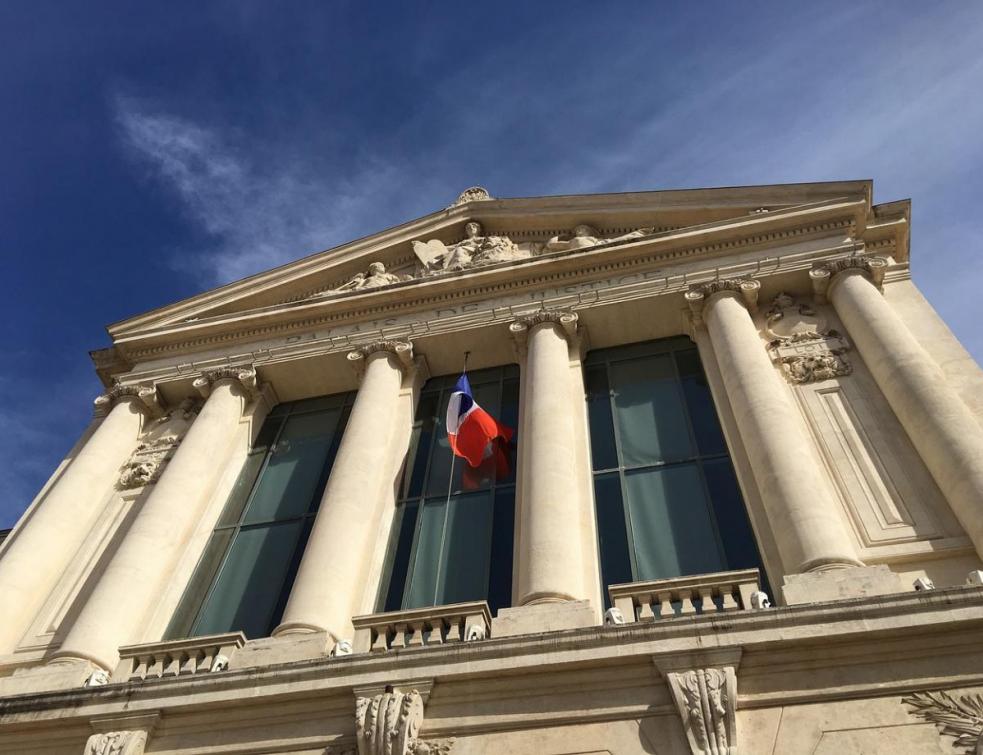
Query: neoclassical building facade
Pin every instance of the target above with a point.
(741, 512)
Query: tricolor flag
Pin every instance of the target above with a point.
(471, 430)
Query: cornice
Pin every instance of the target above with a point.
(750, 234)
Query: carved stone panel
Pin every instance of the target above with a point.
(157, 446)
(960, 716)
(705, 692)
(388, 723)
(806, 349)
(116, 743)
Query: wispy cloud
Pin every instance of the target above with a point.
(257, 207)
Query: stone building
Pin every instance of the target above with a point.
(741, 512)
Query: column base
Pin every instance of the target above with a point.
(283, 648)
(543, 617)
(297, 627)
(840, 583)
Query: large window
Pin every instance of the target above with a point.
(244, 577)
(667, 501)
(457, 547)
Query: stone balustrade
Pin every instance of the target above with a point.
(685, 596)
(159, 660)
(420, 627)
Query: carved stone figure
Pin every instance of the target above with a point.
(474, 632)
(376, 277)
(585, 236)
(116, 743)
(476, 249)
(760, 600)
(802, 344)
(473, 194)
(388, 723)
(614, 617)
(960, 717)
(706, 699)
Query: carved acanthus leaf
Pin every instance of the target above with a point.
(706, 698)
(116, 743)
(960, 717)
(388, 723)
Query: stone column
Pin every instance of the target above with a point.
(116, 610)
(802, 508)
(939, 424)
(332, 572)
(550, 563)
(44, 545)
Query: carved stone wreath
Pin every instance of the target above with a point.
(960, 717)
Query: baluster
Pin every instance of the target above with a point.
(645, 608)
(706, 599)
(686, 607)
(666, 611)
(399, 637)
(380, 644)
(415, 639)
(727, 596)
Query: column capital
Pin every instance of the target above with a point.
(823, 273)
(699, 294)
(401, 350)
(146, 398)
(568, 325)
(245, 375)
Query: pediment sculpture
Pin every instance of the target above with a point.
(475, 250)
(802, 344)
(585, 236)
(376, 276)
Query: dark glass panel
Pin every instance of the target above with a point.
(503, 530)
(604, 453)
(649, 413)
(250, 471)
(403, 529)
(321, 403)
(247, 589)
(672, 529)
(423, 432)
(205, 572)
(467, 549)
(732, 518)
(295, 466)
(612, 534)
(422, 588)
(699, 402)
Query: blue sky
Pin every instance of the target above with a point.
(154, 150)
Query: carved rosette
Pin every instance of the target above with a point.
(116, 743)
(802, 345)
(699, 294)
(147, 399)
(706, 699)
(388, 723)
(567, 322)
(960, 717)
(823, 273)
(401, 350)
(473, 194)
(244, 375)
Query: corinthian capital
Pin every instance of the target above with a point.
(823, 273)
(146, 397)
(568, 323)
(245, 375)
(401, 350)
(700, 293)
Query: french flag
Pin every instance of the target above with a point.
(470, 429)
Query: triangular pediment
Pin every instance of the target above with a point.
(435, 250)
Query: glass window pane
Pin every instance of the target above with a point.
(423, 432)
(604, 454)
(467, 549)
(699, 402)
(295, 468)
(612, 534)
(403, 529)
(250, 470)
(732, 519)
(191, 601)
(503, 529)
(672, 530)
(248, 588)
(649, 413)
(422, 590)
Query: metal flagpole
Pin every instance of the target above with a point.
(450, 479)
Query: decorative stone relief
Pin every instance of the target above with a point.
(388, 723)
(474, 251)
(402, 350)
(706, 699)
(699, 293)
(159, 442)
(614, 617)
(960, 717)
(433, 747)
(802, 344)
(149, 399)
(585, 236)
(98, 678)
(117, 743)
(246, 376)
(473, 194)
(375, 277)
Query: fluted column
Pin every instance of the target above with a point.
(128, 588)
(332, 573)
(550, 564)
(43, 546)
(939, 424)
(801, 506)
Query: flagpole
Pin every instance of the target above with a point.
(450, 478)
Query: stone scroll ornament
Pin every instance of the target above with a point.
(116, 743)
(801, 343)
(388, 723)
(960, 717)
(706, 699)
